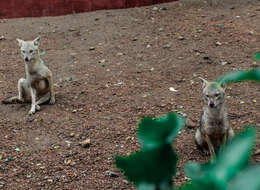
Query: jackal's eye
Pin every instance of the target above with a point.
(207, 95)
(31, 51)
(23, 51)
(217, 95)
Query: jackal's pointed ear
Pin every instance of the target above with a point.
(36, 42)
(204, 82)
(20, 42)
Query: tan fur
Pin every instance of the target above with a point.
(39, 81)
(214, 127)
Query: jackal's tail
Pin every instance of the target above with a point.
(12, 100)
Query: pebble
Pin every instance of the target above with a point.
(72, 29)
(155, 8)
(160, 29)
(224, 63)
(85, 143)
(2, 183)
(218, 43)
(72, 134)
(180, 38)
(120, 54)
(167, 46)
(92, 48)
(2, 37)
(112, 174)
(251, 32)
(102, 61)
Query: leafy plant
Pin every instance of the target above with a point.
(256, 56)
(154, 165)
(239, 76)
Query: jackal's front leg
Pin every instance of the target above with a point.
(33, 106)
(210, 146)
(52, 94)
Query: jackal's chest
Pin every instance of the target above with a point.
(215, 127)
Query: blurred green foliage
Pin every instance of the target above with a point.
(256, 56)
(155, 164)
(240, 76)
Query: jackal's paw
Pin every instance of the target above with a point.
(31, 112)
(206, 152)
(37, 107)
(52, 100)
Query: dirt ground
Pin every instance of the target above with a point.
(111, 69)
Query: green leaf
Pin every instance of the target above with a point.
(162, 186)
(256, 56)
(234, 156)
(239, 76)
(153, 133)
(247, 179)
(68, 79)
(43, 53)
(152, 166)
(145, 186)
(190, 185)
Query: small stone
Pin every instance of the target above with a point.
(167, 46)
(2, 183)
(180, 38)
(155, 8)
(85, 143)
(67, 161)
(218, 43)
(173, 89)
(28, 176)
(163, 105)
(92, 48)
(72, 134)
(224, 63)
(257, 152)
(102, 61)
(72, 29)
(119, 54)
(135, 39)
(112, 174)
(251, 32)
(187, 178)
(74, 111)
(2, 37)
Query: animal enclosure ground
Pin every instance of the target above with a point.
(112, 68)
